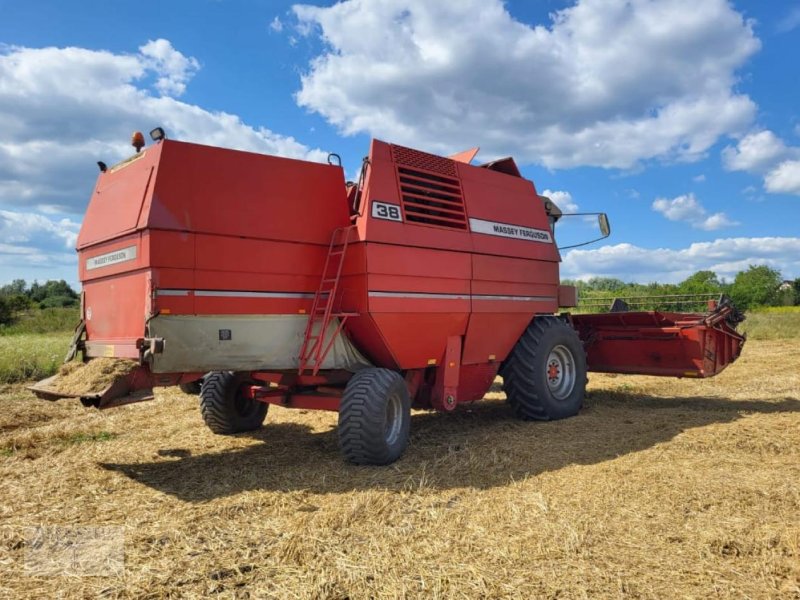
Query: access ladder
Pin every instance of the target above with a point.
(315, 347)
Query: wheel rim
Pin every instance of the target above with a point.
(394, 421)
(560, 372)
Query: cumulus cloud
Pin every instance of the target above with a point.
(764, 153)
(725, 257)
(688, 209)
(37, 229)
(607, 84)
(173, 68)
(756, 152)
(62, 109)
(37, 246)
(563, 200)
(784, 179)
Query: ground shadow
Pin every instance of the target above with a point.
(483, 446)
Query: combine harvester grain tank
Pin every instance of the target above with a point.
(274, 281)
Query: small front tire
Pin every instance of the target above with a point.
(374, 417)
(192, 388)
(225, 409)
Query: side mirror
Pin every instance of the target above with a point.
(605, 227)
(602, 222)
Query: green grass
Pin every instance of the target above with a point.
(48, 320)
(782, 310)
(772, 324)
(81, 438)
(58, 441)
(31, 357)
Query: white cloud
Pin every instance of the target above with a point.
(682, 208)
(35, 246)
(174, 69)
(563, 200)
(716, 221)
(784, 179)
(764, 153)
(755, 153)
(699, 178)
(604, 83)
(725, 257)
(24, 228)
(63, 109)
(688, 209)
(276, 25)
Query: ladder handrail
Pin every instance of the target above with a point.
(314, 350)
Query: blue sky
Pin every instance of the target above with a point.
(679, 118)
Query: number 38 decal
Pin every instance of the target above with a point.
(384, 210)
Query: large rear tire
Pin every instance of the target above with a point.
(545, 377)
(225, 409)
(374, 417)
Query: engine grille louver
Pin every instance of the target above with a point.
(430, 189)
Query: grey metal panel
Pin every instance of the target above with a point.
(195, 343)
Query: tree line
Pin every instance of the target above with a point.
(18, 296)
(757, 286)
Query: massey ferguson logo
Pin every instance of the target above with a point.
(111, 258)
(516, 232)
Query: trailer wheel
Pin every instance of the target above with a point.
(192, 388)
(374, 417)
(545, 379)
(225, 409)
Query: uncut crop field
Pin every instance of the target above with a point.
(660, 488)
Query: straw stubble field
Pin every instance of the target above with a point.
(658, 489)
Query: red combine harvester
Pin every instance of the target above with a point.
(275, 282)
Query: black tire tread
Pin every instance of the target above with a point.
(361, 417)
(520, 386)
(216, 406)
(192, 388)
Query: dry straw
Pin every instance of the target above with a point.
(91, 377)
(660, 488)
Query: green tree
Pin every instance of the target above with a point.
(605, 284)
(18, 287)
(18, 302)
(702, 282)
(52, 289)
(5, 312)
(57, 301)
(757, 286)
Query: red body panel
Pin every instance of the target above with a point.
(655, 343)
(448, 264)
(202, 220)
(427, 281)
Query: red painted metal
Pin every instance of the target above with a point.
(440, 263)
(444, 395)
(293, 378)
(323, 398)
(315, 347)
(659, 343)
